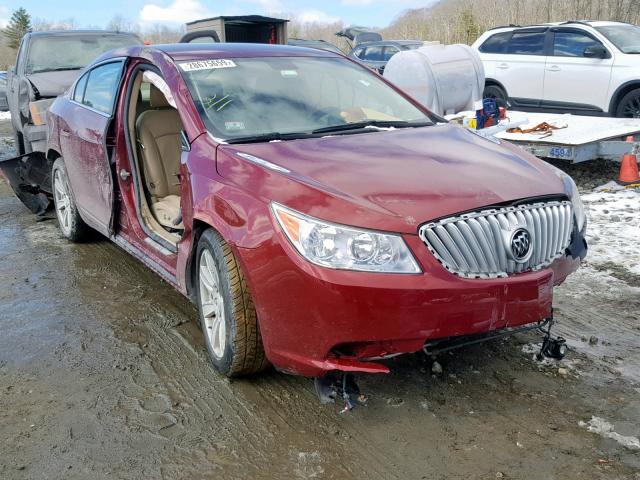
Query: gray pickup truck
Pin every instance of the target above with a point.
(46, 65)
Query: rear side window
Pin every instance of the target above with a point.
(102, 86)
(572, 44)
(78, 93)
(373, 54)
(527, 43)
(496, 43)
(389, 52)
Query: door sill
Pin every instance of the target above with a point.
(140, 255)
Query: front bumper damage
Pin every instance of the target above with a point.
(30, 178)
(36, 136)
(346, 321)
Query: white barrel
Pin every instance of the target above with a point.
(445, 78)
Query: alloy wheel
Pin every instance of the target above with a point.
(62, 202)
(632, 107)
(212, 304)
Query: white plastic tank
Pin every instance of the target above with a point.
(444, 78)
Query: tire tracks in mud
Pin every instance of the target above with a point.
(152, 390)
(255, 414)
(267, 420)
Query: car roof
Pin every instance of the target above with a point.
(55, 33)
(194, 51)
(211, 51)
(576, 23)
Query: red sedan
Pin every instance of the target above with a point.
(318, 216)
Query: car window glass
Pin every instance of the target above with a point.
(496, 43)
(625, 37)
(71, 52)
(373, 54)
(255, 96)
(527, 43)
(102, 86)
(358, 53)
(3, 82)
(389, 52)
(78, 93)
(572, 44)
(21, 54)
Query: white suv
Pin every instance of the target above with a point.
(591, 68)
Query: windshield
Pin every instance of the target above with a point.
(625, 37)
(71, 52)
(244, 97)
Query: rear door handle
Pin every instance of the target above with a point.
(502, 66)
(553, 68)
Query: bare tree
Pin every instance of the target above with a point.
(461, 21)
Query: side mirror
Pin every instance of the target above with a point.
(595, 51)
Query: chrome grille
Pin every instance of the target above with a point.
(479, 244)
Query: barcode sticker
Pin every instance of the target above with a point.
(207, 64)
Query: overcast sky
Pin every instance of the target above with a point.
(174, 12)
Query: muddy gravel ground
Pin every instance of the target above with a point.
(103, 374)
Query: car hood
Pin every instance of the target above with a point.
(409, 176)
(52, 84)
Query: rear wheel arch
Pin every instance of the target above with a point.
(620, 93)
(494, 89)
(53, 155)
(493, 82)
(71, 224)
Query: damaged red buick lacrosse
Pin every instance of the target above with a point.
(319, 217)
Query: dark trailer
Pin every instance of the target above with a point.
(237, 29)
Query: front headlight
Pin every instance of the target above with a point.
(574, 195)
(337, 246)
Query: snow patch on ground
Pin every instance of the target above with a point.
(605, 429)
(5, 115)
(549, 364)
(591, 282)
(531, 348)
(613, 228)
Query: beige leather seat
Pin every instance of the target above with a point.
(159, 140)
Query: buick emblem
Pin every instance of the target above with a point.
(520, 245)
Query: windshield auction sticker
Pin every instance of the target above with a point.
(207, 65)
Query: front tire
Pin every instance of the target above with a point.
(71, 224)
(629, 105)
(227, 314)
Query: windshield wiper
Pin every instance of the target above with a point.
(371, 123)
(269, 137)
